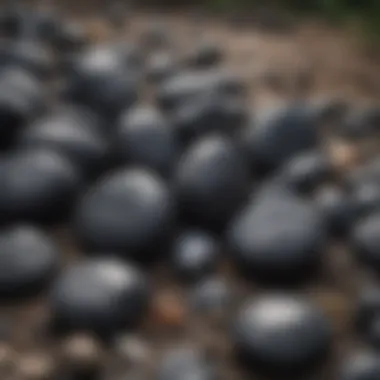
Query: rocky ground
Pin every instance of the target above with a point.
(307, 60)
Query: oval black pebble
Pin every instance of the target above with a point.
(70, 37)
(99, 79)
(212, 182)
(156, 36)
(338, 208)
(281, 334)
(305, 172)
(366, 197)
(365, 240)
(210, 295)
(101, 295)
(194, 254)
(161, 66)
(21, 99)
(28, 261)
(209, 113)
(364, 365)
(70, 135)
(127, 212)
(279, 135)
(28, 55)
(37, 185)
(361, 122)
(277, 237)
(190, 85)
(184, 363)
(367, 307)
(145, 138)
(205, 55)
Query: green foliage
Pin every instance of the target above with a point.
(362, 13)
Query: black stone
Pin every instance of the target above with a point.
(127, 212)
(210, 295)
(338, 208)
(99, 79)
(37, 185)
(21, 99)
(28, 55)
(194, 255)
(365, 240)
(161, 66)
(211, 181)
(281, 334)
(190, 85)
(146, 138)
(209, 113)
(279, 135)
(363, 365)
(205, 55)
(101, 295)
(361, 122)
(277, 237)
(185, 363)
(367, 308)
(28, 262)
(306, 172)
(75, 135)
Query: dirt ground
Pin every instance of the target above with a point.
(327, 63)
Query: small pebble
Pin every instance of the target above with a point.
(133, 349)
(81, 354)
(36, 367)
(168, 310)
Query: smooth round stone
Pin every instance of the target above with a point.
(28, 261)
(281, 334)
(100, 80)
(70, 37)
(205, 55)
(374, 333)
(366, 197)
(211, 181)
(338, 208)
(210, 113)
(145, 137)
(329, 110)
(72, 135)
(363, 365)
(11, 18)
(21, 99)
(367, 173)
(190, 85)
(210, 295)
(278, 135)
(20, 80)
(127, 212)
(185, 363)
(102, 295)
(361, 122)
(28, 55)
(194, 255)
(46, 24)
(365, 240)
(156, 36)
(37, 185)
(161, 66)
(367, 307)
(305, 172)
(277, 237)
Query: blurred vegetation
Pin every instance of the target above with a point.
(361, 14)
